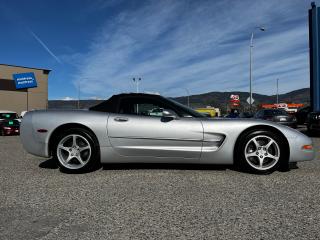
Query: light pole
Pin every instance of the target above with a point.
(79, 86)
(188, 95)
(251, 50)
(277, 90)
(137, 81)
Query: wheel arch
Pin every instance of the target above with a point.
(56, 132)
(263, 128)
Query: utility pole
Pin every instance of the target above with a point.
(79, 95)
(277, 90)
(137, 81)
(27, 99)
(188, 96)
(250, 69)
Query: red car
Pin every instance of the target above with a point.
(9, 127)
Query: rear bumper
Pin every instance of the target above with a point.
(30, 142)
(9, 132)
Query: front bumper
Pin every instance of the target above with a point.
(297, 152)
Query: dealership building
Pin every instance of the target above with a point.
(23, 88)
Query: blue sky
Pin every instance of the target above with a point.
(172, 44)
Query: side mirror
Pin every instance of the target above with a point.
(168, 115)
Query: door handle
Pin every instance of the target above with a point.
(121, 119)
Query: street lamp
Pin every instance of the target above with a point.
(188, 95)
(251, 50)
(79, 90)
(137, 81)
(277, 90)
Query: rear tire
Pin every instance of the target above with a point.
(76, 151)
(261, 152)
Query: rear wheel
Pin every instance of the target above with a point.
(261, 152)
(76, 151)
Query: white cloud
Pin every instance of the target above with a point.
(200, 46)
(67, 99)
(44, 46)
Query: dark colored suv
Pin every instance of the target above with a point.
(302, 115)
(313, 122)
(278, 116)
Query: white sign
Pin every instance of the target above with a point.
(235, 97)
(248, 100)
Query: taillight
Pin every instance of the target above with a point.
(7, 128)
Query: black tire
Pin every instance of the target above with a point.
(279, 149)
(93, 161)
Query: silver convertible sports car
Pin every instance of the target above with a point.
(125, 129)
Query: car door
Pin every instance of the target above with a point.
(137, 131)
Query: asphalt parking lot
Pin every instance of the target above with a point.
(37, 201)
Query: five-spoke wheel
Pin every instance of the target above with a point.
(76, 150)
(261, 151)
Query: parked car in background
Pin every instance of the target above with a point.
(278, 116)
(233, 114)
(313, 121)
(302, 115)
(208, 112)
(9, 127)
(23, 113)
(8, 115)
(246, 115)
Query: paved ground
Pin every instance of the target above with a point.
(37, 201)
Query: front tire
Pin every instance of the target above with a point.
(261, 152)
(76, 151)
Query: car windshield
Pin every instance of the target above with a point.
(8, 115)
(186, 109)
(275, 112)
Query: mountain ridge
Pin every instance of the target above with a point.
(216, 99)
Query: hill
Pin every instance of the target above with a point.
(220, 99)
(216, 99)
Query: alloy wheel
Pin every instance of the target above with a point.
(74, 151)
(262, 152)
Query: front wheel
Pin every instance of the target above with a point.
(261, 152)
(76, 151)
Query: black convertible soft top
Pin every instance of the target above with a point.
(111, 104)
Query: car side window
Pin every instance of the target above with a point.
(142, 106)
